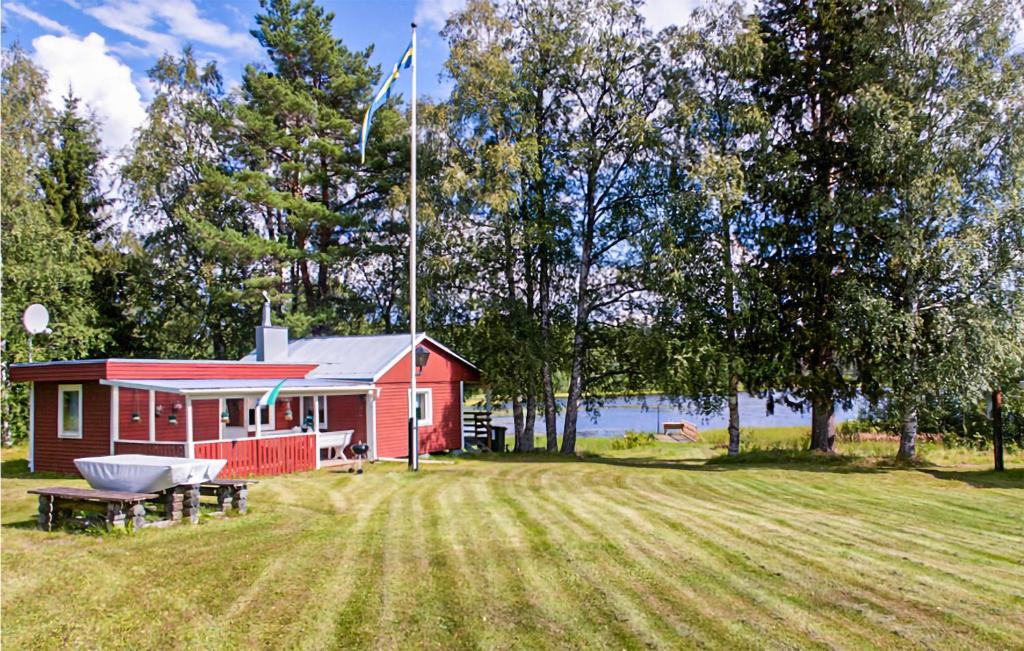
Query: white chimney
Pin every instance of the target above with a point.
(271, 341)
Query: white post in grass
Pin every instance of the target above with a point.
(414, 430)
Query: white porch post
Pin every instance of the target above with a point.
(190, 444)
(221, 407)
(316, 425)
(152, 415)
(115, 420)
(257, 413)
(371, 423)
(462, 414)
(32, 426)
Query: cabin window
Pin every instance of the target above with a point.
(69, 425)
(264, 415)
(424, 407)
(307, 410)
(235, 410)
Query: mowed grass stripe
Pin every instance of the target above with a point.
(642, 571)
(923, 506)
(494, 557)
(839, 571)
(933, 555)
(591, 609)
(600, 560)
(758, 592)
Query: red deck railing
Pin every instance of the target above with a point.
(271, 455)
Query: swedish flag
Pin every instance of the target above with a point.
(380, 97)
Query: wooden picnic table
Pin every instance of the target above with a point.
(58, 503)
(178, 503)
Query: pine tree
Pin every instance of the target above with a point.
(809, 204)
(295, 130)
(42, 261)
(71, 177)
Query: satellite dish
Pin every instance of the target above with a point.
(36, 318)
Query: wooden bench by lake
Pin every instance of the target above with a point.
(57, 504)
(680, 432)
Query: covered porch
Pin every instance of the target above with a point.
(310, 421)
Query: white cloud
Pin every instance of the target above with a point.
(46, 23)
(165, 25)
(434, 13)
(95, 75)
(662, 13)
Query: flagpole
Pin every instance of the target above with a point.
(414, 427)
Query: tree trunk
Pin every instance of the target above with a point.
(908, 436)
(550, 410)
(997, 430)
(572, 406)
(531, 419)
(547, 382)
(729, 300)
(734, 415)
(517, 421)
(579, 345)
(823, 425)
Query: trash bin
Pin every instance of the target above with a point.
(498, 439)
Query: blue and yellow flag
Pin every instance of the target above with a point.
(380, 97)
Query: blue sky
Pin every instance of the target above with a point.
(102, 48)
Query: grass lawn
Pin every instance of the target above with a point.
(650, 547)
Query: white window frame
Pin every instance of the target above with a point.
(317, 401)
(250, 423)
(61, 390)
(428, 406)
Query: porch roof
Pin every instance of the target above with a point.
(233, 386)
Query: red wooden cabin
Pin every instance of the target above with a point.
(205, 409)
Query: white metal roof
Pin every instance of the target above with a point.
(222, 387)
(361, 357)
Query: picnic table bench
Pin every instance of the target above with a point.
(57, 504)
(230, 493)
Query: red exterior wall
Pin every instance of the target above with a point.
(205, 420)
(205, 417)
(441, 367)
(54, 454)
(441, 375)
(347, 412)
(128, 402)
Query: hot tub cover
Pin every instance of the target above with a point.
(144, 473)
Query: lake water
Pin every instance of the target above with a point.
(647, 413)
